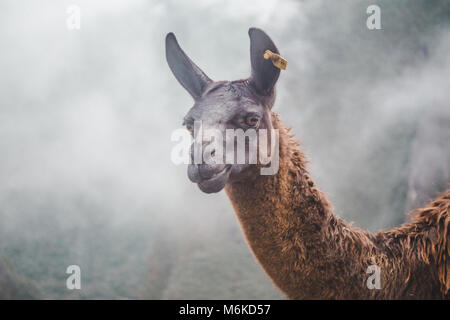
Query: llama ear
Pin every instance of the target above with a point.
(191, 77)
(264, 73)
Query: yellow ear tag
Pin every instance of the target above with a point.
(277, 60)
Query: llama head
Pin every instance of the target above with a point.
(223, 108)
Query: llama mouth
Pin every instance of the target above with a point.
(217, 182)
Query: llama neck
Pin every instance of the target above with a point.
(290, 226)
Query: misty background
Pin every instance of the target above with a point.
(86, 117)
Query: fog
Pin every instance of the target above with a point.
(86, 118)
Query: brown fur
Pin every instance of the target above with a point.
(311, 254)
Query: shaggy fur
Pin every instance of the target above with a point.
(309, 253)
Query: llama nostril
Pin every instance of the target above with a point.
(208, 155)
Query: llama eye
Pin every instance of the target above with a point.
(252, 120)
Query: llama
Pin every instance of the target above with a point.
(307, 251)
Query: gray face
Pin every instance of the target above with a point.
(225, 106)
(220, 106)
